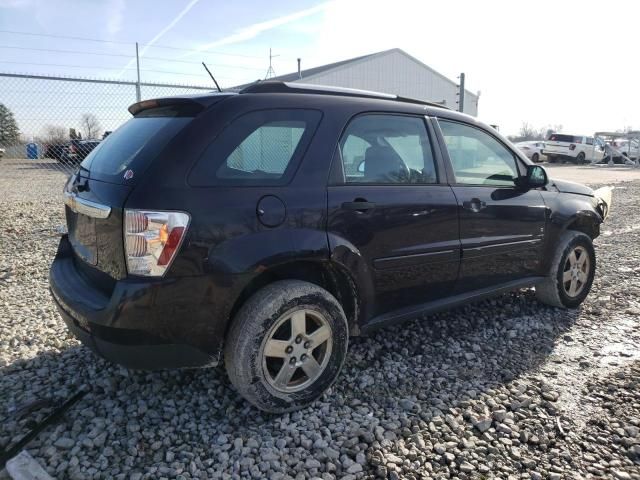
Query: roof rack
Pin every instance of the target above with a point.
(271, 86)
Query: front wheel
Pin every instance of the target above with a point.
(581, 158)
(535, 158)
(572, 270)
(286, 345)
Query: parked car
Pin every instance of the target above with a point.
(269, 226)
(532, 149)
(561, 147)
(77, 150)
(55, 150)
(2, 152)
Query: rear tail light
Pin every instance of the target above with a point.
(152, 240)
(572, 146)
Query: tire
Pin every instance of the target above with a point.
(581, 158)
(535, 158)
(552, 159)
(287, 380)
(556, 289)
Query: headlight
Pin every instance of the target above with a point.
(605, 198)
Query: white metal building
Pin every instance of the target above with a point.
(391, 71)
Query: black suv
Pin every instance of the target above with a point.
(268, 226)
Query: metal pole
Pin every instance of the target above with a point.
(138, 96)
(461, 94)
(299, 71)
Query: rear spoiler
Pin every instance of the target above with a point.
(183, 104)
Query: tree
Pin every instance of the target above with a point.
(90, 126)
(73, 135)
(527, 132)
(55, 135)
(9, 131)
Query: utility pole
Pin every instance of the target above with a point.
(461, 93)
(270, 72)
(138, 96)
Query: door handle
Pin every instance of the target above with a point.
(474, 205)
(359, 205)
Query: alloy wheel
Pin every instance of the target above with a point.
(577, 269)
(296, 350)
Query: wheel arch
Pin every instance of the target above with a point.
(585, 221)
(326, 274)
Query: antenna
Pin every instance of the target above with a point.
(271, 72)
(212, 77)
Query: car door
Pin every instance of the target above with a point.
(389, 205)
(501, 225)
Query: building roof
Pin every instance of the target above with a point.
(311, 72)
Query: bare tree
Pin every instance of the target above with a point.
(90, 126)
(527, 132)
(55, 134)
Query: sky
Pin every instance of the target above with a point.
(569, 63)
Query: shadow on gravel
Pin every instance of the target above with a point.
(427, 365)
(53, 165)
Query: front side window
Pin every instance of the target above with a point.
(258, 148)
(387, 149)
(476, 157)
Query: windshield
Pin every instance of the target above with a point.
(133, 147)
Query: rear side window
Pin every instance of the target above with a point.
(134, 145)
(258, 148)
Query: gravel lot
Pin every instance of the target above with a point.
(506, 388)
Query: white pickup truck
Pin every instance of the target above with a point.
(561, 147)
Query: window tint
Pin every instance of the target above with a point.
(476, 157)
(559, 137)
(258, 148)
(133, 146)
(267, 150)
(387, 149)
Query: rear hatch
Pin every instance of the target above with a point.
(96, 194)
(559, 143)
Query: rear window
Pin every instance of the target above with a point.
(134, 145)
(259, 148)
(558, 137)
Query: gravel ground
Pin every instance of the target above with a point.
(506, 388)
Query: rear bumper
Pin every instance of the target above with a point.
(563, 156)
(141, 324)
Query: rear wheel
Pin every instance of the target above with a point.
(572, 270)
(286, 346)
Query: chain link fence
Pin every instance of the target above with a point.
(48, 125)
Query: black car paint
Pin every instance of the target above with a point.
(394, 268)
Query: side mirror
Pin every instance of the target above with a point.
(536, 177)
